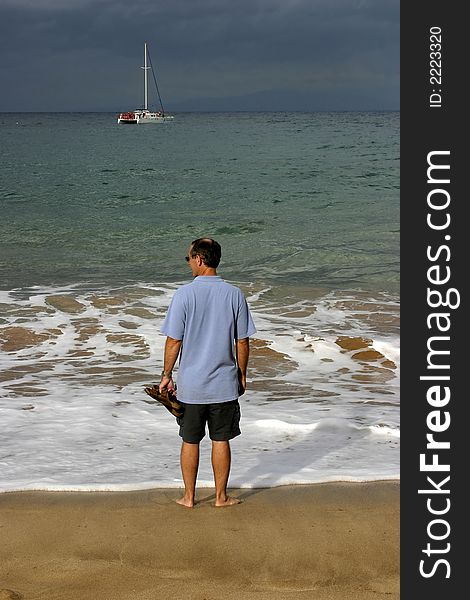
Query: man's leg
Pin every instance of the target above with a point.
(189, 467)
(221, 459)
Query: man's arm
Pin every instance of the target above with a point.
(243, 353)
(172, 349)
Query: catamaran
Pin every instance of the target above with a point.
(144, 115)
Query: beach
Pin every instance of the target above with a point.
(330, 541)
(306, 209)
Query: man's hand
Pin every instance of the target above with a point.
(167, 383)
(172, 348)
(241, 383)
(242, 348)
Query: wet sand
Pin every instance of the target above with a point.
(325, 542)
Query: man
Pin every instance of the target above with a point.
(208, 324)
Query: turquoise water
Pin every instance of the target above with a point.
(95, 222)
(303, 199)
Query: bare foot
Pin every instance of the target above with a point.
(184, 502)
(229, 501)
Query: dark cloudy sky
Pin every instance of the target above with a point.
(68, 55)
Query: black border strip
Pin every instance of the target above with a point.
(433, 234)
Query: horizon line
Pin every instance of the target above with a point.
(345, 110)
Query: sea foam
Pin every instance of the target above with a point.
(322, 402)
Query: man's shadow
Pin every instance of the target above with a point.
(314, 446)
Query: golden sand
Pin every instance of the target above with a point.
(323, 542)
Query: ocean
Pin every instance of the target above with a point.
(96, 219)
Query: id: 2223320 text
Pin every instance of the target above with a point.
(435, 67)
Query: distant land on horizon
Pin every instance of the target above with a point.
(288, 101)
(264, 101)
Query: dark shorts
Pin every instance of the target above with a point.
(223, 419)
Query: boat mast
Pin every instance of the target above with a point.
(145, 78)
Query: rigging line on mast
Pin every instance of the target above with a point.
(155, 80)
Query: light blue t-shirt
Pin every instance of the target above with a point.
(208, 315)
